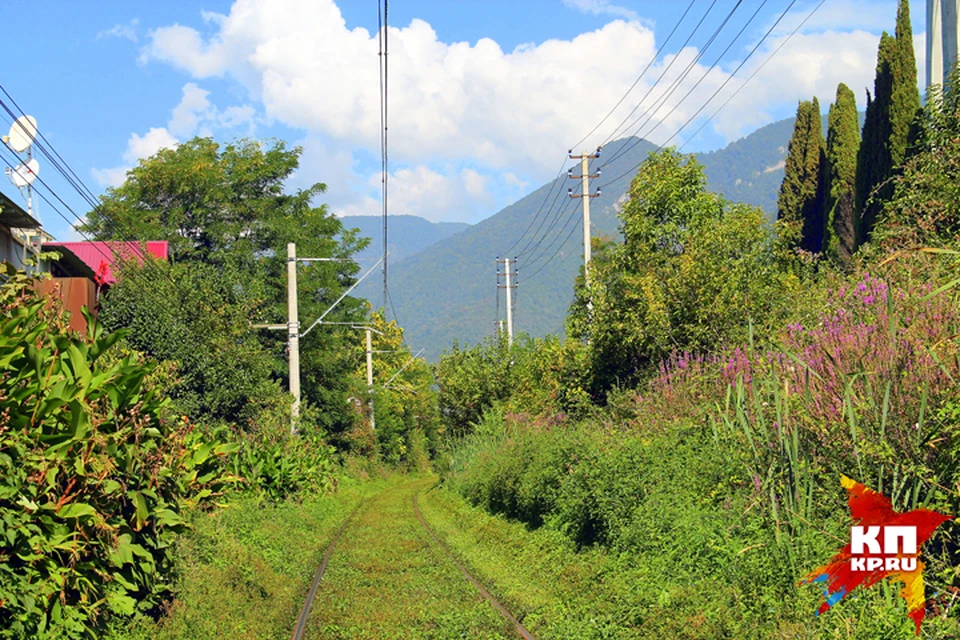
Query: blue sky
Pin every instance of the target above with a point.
(486, 96)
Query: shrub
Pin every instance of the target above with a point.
(93, 481)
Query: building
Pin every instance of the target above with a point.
(943, 30)
(83, 268)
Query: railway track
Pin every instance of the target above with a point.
(430, 540)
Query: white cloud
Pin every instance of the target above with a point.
(452, 196)
(457, 104)
(126, 31)
(193, 108)
(193, 115)
(601, 7)
(138, 147)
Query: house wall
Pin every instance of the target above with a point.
(75, 293)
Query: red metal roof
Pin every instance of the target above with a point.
(100, 256)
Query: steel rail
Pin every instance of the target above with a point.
(305, 612)
(520, 629)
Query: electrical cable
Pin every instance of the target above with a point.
(656, 56)
(662, 100)
(720, 88)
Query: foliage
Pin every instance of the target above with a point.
(891, 123)
(193, 316)
(691, 271)
(925, 208)
(536, 377)
(276, 465)
(226, 214)
(801, 202)
(843, 142)
(245, 569)
(93, 481)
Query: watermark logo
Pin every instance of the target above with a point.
(883, 544)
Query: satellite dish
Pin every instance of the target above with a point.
(22, 133)
(25, 174)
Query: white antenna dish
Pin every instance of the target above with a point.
(22, 133)
(24, 175)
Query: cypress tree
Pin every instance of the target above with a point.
(905, 98)
(843, 144)
(889, 131)
(800, 204)
(874, 163)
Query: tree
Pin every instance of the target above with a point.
(843, 143)
(692, 272)
(227, 208)
(800, 207)
(891, 122)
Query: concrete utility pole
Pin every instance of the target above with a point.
(293, 334)
(373, 424)
(585, 195)
(943, 32)
(507, 262)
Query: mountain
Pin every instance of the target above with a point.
(449, 292)
(408, 234)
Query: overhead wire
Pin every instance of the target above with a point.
(708, 101)
(663, 73)
(648, 113)
(656, 56)
(547, 195)
(752, 75)
(720, 88)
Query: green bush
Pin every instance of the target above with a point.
(94, 481)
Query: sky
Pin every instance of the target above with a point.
(485, 96)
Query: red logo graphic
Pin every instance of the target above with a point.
(883, 544)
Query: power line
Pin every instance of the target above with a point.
(540, 209)
(720, 88)
(663, 73)
(648, 114)
(569, 222)
(656, 56)
(752, 75)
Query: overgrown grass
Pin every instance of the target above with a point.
(244, 571)
(663, 534)
(389, 579)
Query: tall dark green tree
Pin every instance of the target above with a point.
(800, 207)
(843, 144)
(890, 122)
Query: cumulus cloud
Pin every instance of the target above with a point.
(138, 147)
(193, 115)
(500, 113)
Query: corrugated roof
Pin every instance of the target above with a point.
(100, 256)
(13, 215)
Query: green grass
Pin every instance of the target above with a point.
(687, 551)
(389, 579)
(245, 570)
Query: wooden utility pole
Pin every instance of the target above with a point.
(293, 334)
(509, 287)
(585, 195)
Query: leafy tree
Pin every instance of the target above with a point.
(891, 121)
(691, 274)
(800, 207)
(225, 212)
(471, 380)
(405, 410)
(843, 143)
(192, 315)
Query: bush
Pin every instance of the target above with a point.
(93, 481)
